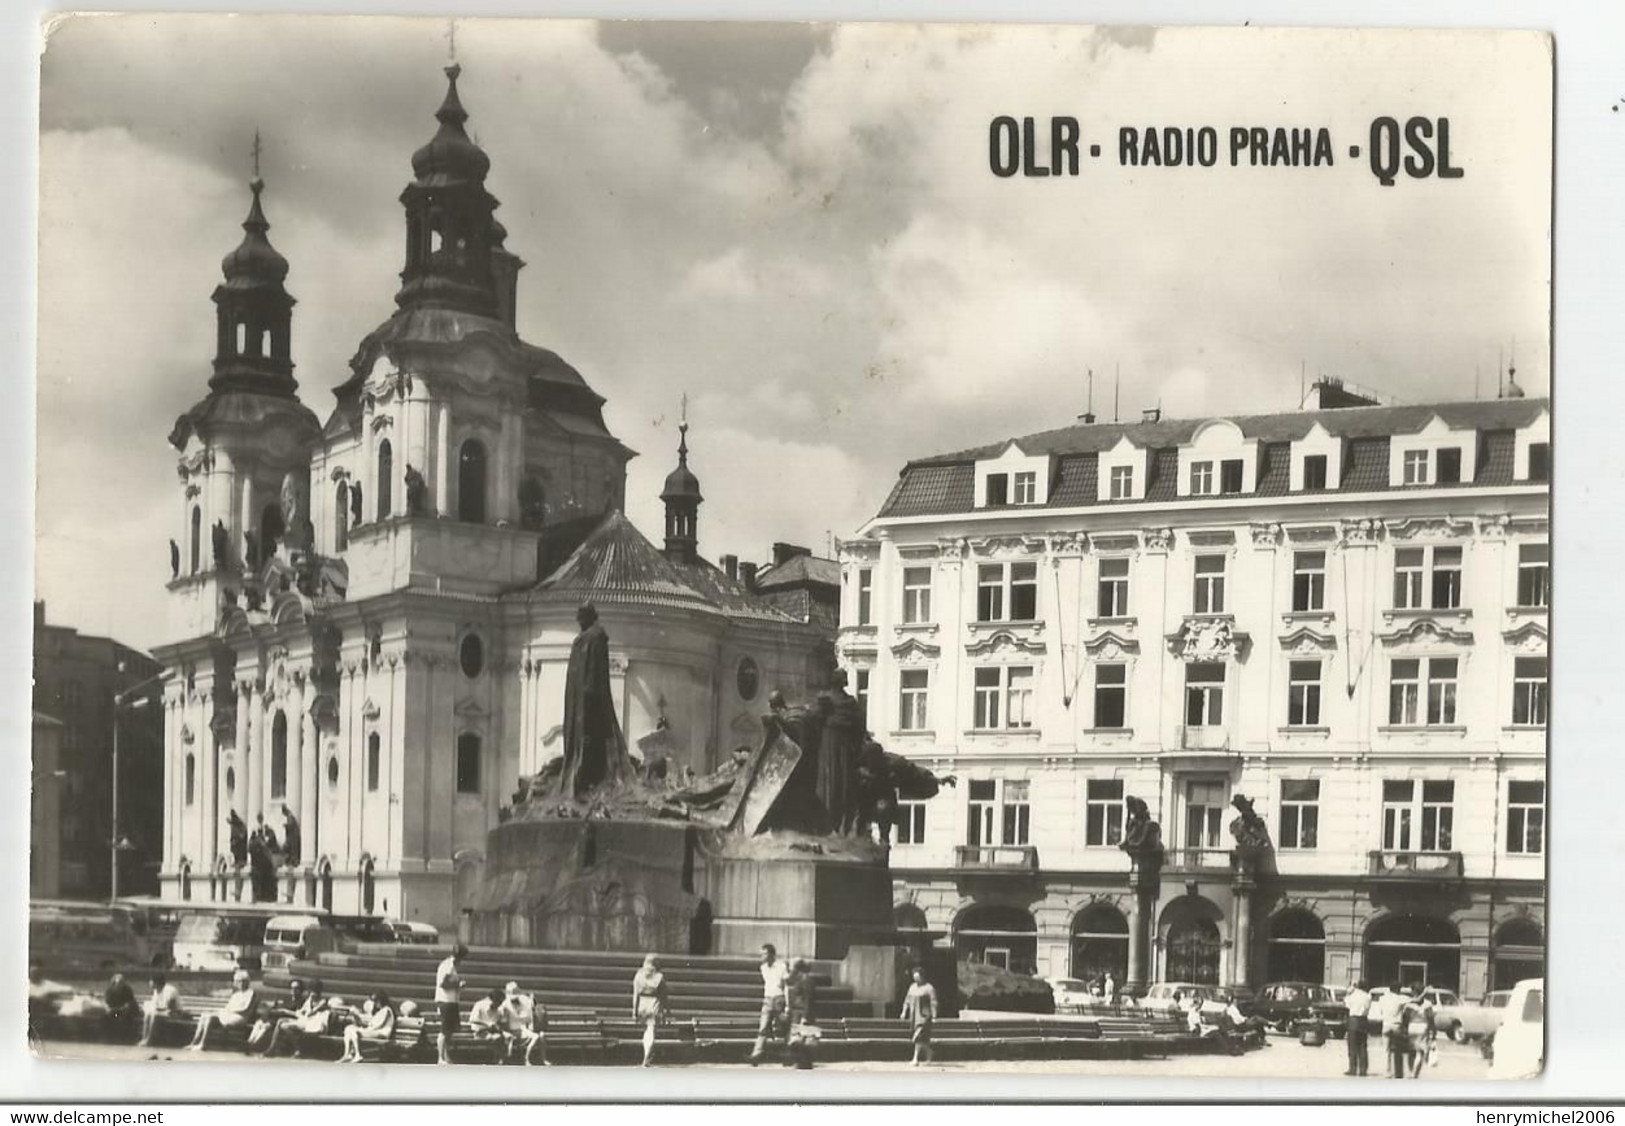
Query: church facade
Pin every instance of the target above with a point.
(371, 616)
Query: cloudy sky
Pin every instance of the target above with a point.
(793, 224)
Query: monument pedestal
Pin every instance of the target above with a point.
(805, 905)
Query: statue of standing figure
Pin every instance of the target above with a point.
(417, 492)
(220, 541)
(839, 747)
(239, 839)
(594, 751)
(290, 838)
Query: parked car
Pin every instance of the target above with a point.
(1461, 1021)
(1214, 999)
(414, 933)
(1519, 1045)
(1072, 993)
(1284, 1004)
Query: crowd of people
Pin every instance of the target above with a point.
(1403, 1018)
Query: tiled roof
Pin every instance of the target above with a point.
(612, 563)
(945, 483)
(800, 569)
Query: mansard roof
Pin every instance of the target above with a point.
(945, 483)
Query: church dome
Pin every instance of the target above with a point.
(451, 156)
(255, 261)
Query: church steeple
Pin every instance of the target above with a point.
(683, 499)
(253, 311)
(451, 234)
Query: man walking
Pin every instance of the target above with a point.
(774, 1004)
(1358, 1001)
(448, 983)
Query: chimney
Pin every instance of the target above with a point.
(1151, 414)
(1087, 418)
(1329, 393)
(747, 575)
(730, 566)
(784, 552)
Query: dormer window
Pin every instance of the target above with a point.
(1434, 455)
(1122, 482)
(1314, 471)
(1201, 478)
(1416, 467)
(1540, 461)
(1448, 467)
(1230, 475)
(998, 490)
(1026, 488)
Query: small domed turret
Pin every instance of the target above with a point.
(682, 497)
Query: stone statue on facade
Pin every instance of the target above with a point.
(251, 549)
(291, 496)
(532, 503)
(417, 492)
(1142, 837)
(221, 542)
(174, 560)
(262, 861)
(355, 505)
(290, 838)
(594, 752)
(238, 829)
(1249, 829)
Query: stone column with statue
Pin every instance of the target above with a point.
(1252, 854)
(1142, 840)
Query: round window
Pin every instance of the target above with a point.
(749, 678)
(333, 771)
(472, 655)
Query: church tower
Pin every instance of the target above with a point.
(245, 447)
(682, 498)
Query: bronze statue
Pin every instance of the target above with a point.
(594, 751)
(221, 540)
(884, 779)
(174, 560)
(839, 747)
(417, 492)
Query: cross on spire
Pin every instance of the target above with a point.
(256, 152)
(451, 41)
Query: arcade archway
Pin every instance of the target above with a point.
(1100, 943)
(1517, 952)
(1192, 942)
(998, 935)
(1297, 947)
(1413, 950)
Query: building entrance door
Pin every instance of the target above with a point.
(1193, 952)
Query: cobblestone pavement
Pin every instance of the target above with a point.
(1283, 1059)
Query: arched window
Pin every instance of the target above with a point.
(1100, 944)
(1518, 952)
(195, 550)
(374, 755)
(471, 482)
(998, 935)
(368, 886)
(468, 763)
(242, 337)
(191, 778)
(326, 881)
(341, 517)
(279, 757)
(1413, 950)
(1297, 947)
(385, 484)
(908, 917)
(186, 879)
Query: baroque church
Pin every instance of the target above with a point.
(370, 616)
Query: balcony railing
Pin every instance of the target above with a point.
(1406, 865)
(1213, 739)
(996, 858)
(1196, 859)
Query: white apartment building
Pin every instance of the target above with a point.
(1339, 613)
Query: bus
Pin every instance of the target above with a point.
(73, 939)
(222, 937)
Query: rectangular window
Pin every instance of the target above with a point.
(1437, 815)
(1003, 697)
(1309, 581)
(998, 489)
(1209, 595)
(1416, 467)
(1404, 691)
(999, 585)
(1303, 694)
(1204, 813)
(1122, 482)
(1446, 578)
(1314, 471)
(1526, 817)
(1027, 488)
(1409, 570)
(1300, 813)
(1529, 691)
(1201, 478)
(861, 691)
(1397, 814)
(1534, 573)
(914, 686)
(1113, 601)
(990, 593)
(1204, 694)
(1540, 461)
(866, 590)
(916, 594)
(1017, 821)
(1230, 475)
(979, 822)
(1441, 691)
(1103, 813)
(909, 827)
(1449, 466)
(1111, 695)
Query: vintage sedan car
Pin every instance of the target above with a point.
(1070, 993)
(1285, 1004)
(1462, 1021)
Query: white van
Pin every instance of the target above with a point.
(286, 938)
(1520, 1042)
(220, 941)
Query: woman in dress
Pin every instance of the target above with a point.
(920, 1009)
(379, 1027)
(649, 1002)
